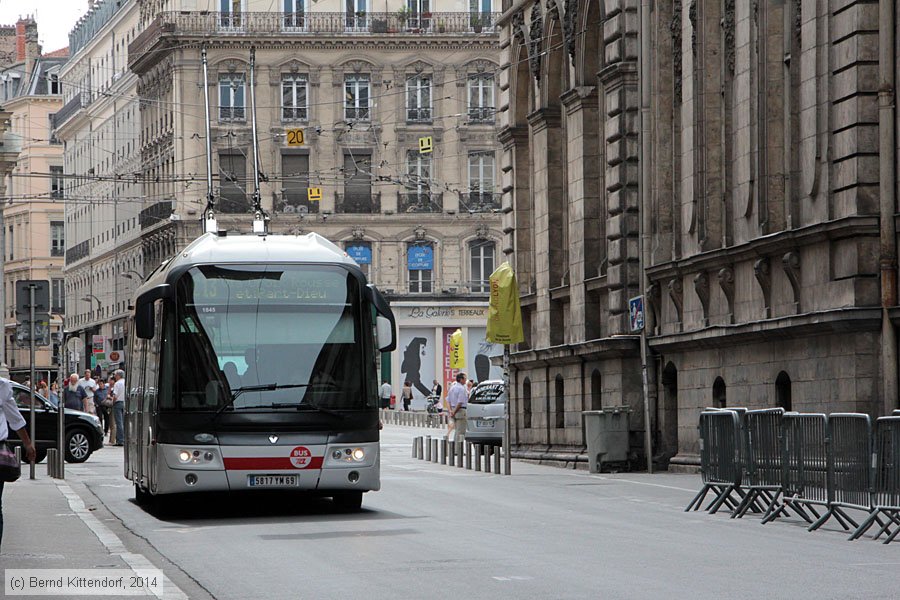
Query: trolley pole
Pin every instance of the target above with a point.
(61, 409)
(507, 445)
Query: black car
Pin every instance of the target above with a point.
(83, 431)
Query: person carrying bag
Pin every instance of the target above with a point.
(10, 418)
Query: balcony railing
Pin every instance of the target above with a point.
(355, 203)
(418, 115)
(78, 101)
(481, 115)
(415, 202)
(296, 203)
(76, 253)
(155, 213)
(232, 113)
(480, 202)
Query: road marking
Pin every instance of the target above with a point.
(659, 485)
(113, 544)
(512, 578)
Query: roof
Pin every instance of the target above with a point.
(61, 53)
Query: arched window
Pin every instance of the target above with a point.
(526, 403)
(596, 391)
(560, 397)
(718, 393)
(783, 391)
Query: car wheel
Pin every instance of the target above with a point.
(78, 446)
(40, 454)
(348, 501)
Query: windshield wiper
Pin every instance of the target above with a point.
(320, 409)
(265, 387)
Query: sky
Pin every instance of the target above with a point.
(55, 18)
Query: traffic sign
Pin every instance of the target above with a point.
(314, 194)
(41, 297)
(426, 145)
(636, 313)
(75, 344)
(294, 137)
(41, 331)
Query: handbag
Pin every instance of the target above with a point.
(10, 467)
(107, 402)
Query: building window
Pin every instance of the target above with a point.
(718, 393)
(481, 256)
(420, 265)
(233, 183)
(560, 402)
(596, 391)
(230, 17)
(57, 238)
(356, 98)
(58, 296)
(231, 97)
(12, 243)
(55, 88)
(783, 392)
(418, 99)
(295, 185)
(294, 14)
(56, 182)
(361, 252)
(293, 98)
(418, 172)
(356, 15)
(481, 180)
(481, 98)
(526, 403)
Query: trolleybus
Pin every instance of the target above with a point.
(252, 366)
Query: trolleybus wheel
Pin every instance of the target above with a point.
(348, 501)
(142, 496)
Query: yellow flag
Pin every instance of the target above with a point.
(457, 352)
(504, 324)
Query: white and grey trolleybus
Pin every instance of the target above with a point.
(252, 366)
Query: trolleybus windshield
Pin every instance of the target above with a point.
(279, 337)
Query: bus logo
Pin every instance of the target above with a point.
(301, 457)
(273, 438)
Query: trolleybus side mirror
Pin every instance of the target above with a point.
(144, 324)
(385, 326)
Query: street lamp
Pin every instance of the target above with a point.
(90, 297)
(131, 274)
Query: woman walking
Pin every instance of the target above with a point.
(407, 394)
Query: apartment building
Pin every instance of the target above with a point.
(365, 85)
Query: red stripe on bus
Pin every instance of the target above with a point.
(282, 463)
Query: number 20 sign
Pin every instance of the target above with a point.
(294, 137)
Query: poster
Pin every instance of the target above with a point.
(479, 353)
(449, 374)
(416, 351)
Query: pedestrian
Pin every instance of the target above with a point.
(54, 394)
(90, 386)
(74, 394)
(11, 418)
(385, 394)
(436, 389)
(42, 389)
(101, 396)
(119, 406)
(457, 400)
(406, 394)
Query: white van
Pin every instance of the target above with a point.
(485, 413)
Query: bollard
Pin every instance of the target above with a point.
(497, 460)
(428, 449)
(51, 462)
(421, 447)
(434, 450)
(487, 458)
(444, 450)
(478, 449)
(459, 454)
(414, 446)
(468, 453)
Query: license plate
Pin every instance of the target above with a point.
(273, 481)
(484, 423)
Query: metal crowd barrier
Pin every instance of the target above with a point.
(413, 418)
(764, 466)
(805, 449)
(720, 460)
(463, 455)
(885, 480)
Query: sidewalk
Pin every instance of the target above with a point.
(42, 530)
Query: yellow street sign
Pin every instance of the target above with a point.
(294, 137)
(425, 145)
(314, 194)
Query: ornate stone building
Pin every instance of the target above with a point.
(770, 245)
(364, 87)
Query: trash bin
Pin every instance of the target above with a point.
(606, 431)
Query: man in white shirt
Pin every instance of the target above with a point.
(90, 386)
(457, 400)
(118, 393)
(385, 394)
(11, 418)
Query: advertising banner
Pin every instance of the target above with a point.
(417, 353)
(504, 324)
(449, 374)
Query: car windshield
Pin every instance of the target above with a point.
(277, 336)
(487, 393)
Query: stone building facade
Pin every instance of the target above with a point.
(364, 86)
(770, 246)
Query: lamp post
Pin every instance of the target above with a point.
(133, 275)
(89, 297)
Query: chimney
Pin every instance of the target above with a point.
(27, 47)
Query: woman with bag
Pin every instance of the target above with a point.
(10, 418)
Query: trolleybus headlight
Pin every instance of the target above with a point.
(184, 456)
(209, 456)
(336, 455)
(358, 454)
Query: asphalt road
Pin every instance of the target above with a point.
(440, 532)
